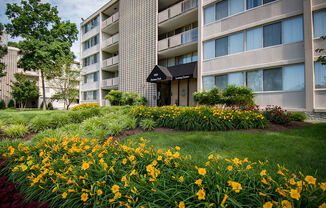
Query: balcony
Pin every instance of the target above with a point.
(91, 86)
(90, 69)
(28, 73)
(110, 25)
(110, 45)
(178, 15)
(110, 83)
(179, 44)
(110, 64)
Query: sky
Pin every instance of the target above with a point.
(72, 10)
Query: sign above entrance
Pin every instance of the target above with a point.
(178, 72)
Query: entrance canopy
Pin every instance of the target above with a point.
(178, 72)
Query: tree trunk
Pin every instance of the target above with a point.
(43, 89)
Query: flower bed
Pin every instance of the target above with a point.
(200, 117)
(80, 173)
(85, 105)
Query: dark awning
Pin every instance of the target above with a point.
(182, 71)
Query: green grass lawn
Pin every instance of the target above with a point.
(299, 149)
(28, 114)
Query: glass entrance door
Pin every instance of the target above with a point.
(164, 93)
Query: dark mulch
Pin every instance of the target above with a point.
(271, 128)
(26, 137)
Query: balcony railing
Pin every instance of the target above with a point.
(177, 9)
(110, 20)
(110, 62)
(109, 83)
(179, 39)
(111, 40)
(89, 86)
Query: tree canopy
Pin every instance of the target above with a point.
(3, 52)
(46, 38)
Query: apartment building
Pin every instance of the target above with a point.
(168, 49)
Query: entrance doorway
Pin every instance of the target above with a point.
(164, 93)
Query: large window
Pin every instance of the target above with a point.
(90, 95)
(221, 46)
(93, 77)
(287, 78)
(292, 30)
(236, 43)
(272, 34)
(91, 60)
(89, 26)
(319, 24)
(209, 49)
(253, 3)
(254, 38)
(221, 9)
(320, 75)
(209, 14)
(91, 42)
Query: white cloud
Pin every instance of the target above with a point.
(72, 10)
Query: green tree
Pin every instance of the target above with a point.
(321, 58)
(46, 38)
(23, 90)
(3, 52)
(66, 86)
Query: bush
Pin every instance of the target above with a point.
(50, 106)
(2, 104)
(276, 115)
(130, 98)
(297, 116)
(16, 131)
(11, 104)
(18, 119)
(211, 97)
(39, 123)
(130, 123)
(147, 124)
(133, 174)
(59, 119)
(115, 97)
(2, 125)
(200, 118)
(114, 129)
(141, 100)
(85, 106)
(238, 95)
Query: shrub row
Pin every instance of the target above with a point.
(56, 120)
(230, 95)
(78, 172)
(200, 118)
(117, 97)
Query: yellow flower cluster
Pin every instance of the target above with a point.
(134, 175)
(85, 105)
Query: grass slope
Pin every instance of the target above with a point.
(299, 149)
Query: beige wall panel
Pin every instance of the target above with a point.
(253, 17)
(174, 92)
(192, 89)
(183, 92)
(320, 99)
(318, 4)
(138, 46)
(90, 34)
(176, 10)
(255, 59)
(163, 15)
(91, 51)
(163, 44)
(287, 100)
(175, 41)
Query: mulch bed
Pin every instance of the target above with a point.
(271, 128)
(26, 137)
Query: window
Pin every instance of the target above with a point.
(94, 95)
(236, 43)
(208, 83)
(209, 49)
(235, 79)
(253, 3)
(267, 1)
(89, 26)
(254, 38)
(273, 79)
(221, 46)
(292, 30)
(319, 24)
(236, 6)
(91, 42)
(194, 57)
(255, 80)
(91, 60)
(221, 81)
(293, 77)
(320, 75)
(272, 34)
(221, 9)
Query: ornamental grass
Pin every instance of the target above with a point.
(200, 118)
(77, 172)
